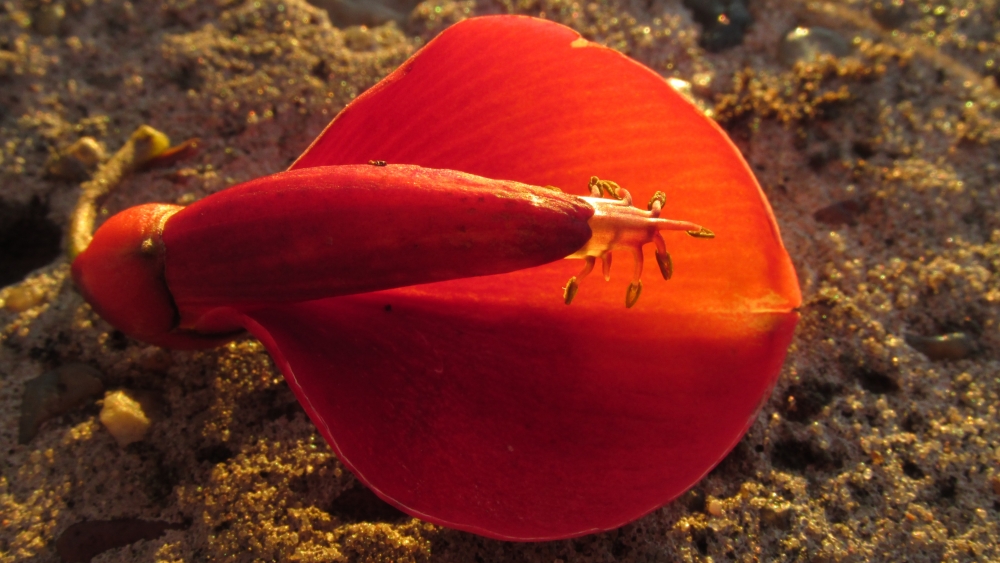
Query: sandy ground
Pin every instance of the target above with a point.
(871, 448)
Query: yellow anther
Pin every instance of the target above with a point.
(702, 233)
(657, 197)
(598, 187)
(666, 264)
(632, 294)
(569, 292)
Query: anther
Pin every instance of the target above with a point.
(663, 259)
(614, 191)
(632, 295)
(594, 186)
(702, 233)
(666, 264)
(656, 202)
(569, 292)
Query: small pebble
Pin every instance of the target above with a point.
(124, 418)
(806, 44)
(954, 346)
(714, 507)
(842, 213)
(686, 90)
(683, 87)
(174, 154)
(77, 161)
(23, 297)
(54, 393)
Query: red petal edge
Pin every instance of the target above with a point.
(487, 405)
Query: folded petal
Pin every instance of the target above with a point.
(325, 231)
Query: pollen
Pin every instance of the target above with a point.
(619, 225)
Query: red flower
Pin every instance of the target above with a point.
(483, 402)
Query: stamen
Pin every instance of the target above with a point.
(637, 268)
(598, 186)
(666, 264)
(617, 225)
(569, 292)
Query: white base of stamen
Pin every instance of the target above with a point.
(618, 225)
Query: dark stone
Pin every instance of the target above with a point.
(54, 393)
(954, 346)
(723, 22)
(842, 213)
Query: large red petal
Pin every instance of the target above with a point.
(485, 403)
(521, 422)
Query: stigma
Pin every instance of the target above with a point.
(618, 225)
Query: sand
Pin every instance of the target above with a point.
(869, 449)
